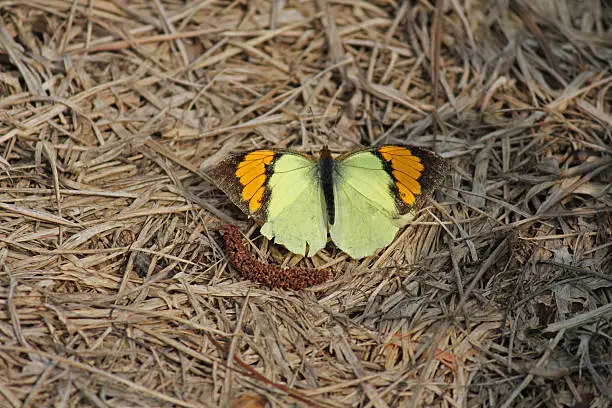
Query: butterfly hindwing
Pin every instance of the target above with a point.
(280, 189)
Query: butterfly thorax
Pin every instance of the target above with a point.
(326, 172)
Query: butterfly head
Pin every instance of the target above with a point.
(325, 153)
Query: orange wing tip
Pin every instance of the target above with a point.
(251, 188)
(402, 160)
(391, 148)
(405, 194)
(260, 155)
(257, 199)
(251, 165)
(406, 169)
(409, 164)
(395, 151)
(409, 171)
(251, 174)
(403, 156)
(246, 178)
(249, 160)
(407, 181)
(413, 160)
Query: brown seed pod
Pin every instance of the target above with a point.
(267, 274)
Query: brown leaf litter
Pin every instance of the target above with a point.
(115, 286)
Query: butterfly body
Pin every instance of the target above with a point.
(361, 198)
(326, 178)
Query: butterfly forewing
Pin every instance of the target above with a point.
(243, 178)
(376, 191)
(416, 172)
(365, 208)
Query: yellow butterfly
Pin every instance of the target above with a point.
(361, 198)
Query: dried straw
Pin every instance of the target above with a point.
(115, 285)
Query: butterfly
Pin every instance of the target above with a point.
(361, 198)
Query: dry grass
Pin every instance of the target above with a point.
(116, 292)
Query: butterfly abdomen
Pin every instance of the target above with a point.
(326, 174)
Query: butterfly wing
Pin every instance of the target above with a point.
(280, 189)
(242, 177)
(375, 194)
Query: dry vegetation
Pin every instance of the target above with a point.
(115, 289)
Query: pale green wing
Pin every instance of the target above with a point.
(367, 215)
(296, 213)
